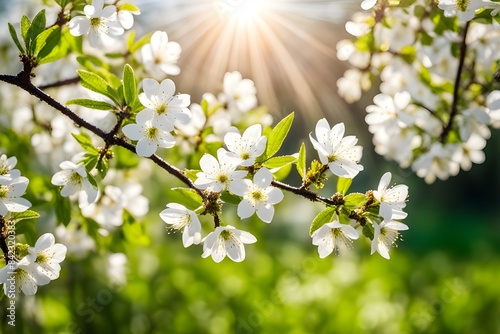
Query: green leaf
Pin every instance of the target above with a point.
(189, 196)
(129, 85)
(130, 8)
(191, 173)
(97, 84)
(92, 104)
(102, 167)
(278, 162)
(282, 173)
(324, 217)
(301, 161)
(28, 214)
(13, 34)
(140, 43)
(25, 26)
(343, 185)
(90, 160)
(92, 180)
(130, 40)
(368, 231)
(63, 209)
(230, 198)
(354, 200)
(84, 140)
(278, 135)
(36, 28)
(46, 41)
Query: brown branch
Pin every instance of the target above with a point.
(70, 81)
(456, 88)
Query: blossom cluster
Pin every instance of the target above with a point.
(37, 268)
(26, 267)
(225, 144)
(436, 64)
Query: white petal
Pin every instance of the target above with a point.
(265, 212)
(245, 209)
(146, 147)
(79, 25)
(45, 241)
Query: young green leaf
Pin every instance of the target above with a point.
(354, 200)
(46, 42)
(13, 34)
(102, 167)
(301, 161)
(90, 160)
(130, 40)
(343, 185)
(25, 26)
(277, 136)
(84, 140)
(97, 84)
(36, 28)
(324, 217)
(28, 214)
(128, 7)
(278, 162)
(140, 43)
(92, 104)
(129, 85)
(189, 196)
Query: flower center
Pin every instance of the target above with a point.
(3, 170)
(462, 5)
(75, 178)
(245, 155)
(182, 223)
(96, 22)
(388, 237)
(4, 190)
(152, 132)
(162, 109)
(222, 178)
(342, 242)
(226, 235)
(257, 196)
(41, 258)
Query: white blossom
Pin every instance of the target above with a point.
(20, 275)
(150, 134)
(339, 152)
(97, 22)
(7, 171)
(219, 174)
(385, 235)
(333, 236)
(248, 146)
(240, 93)
(226, 240)
(178, 217)
(392, 200)
(46, 256)
(258, 196)
(74, 179)
(168, 108)
(464, 10)
(11, 191)
(160, 56)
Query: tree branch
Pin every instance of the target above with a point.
(22, 80)
(456, 88)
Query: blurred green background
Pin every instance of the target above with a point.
(443, 277)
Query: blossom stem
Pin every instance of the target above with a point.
(456, 87)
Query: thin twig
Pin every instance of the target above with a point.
(456, 88)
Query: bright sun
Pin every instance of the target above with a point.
(242, 10)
